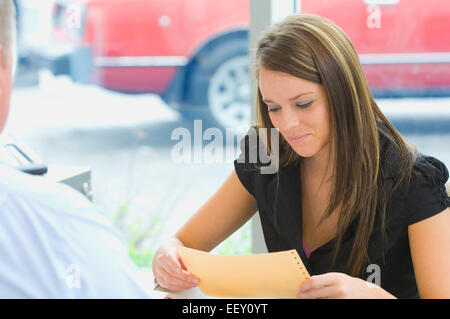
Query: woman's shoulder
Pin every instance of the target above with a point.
(251, 161)
(255, 166)
(426, 193)
(422, 165)
(428, 178)
(431, 169)
(423, 193)
(425, 168)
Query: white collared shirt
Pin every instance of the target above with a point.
(54, 243)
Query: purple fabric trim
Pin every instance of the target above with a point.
(306, 249)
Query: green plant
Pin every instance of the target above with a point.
(238, 243)
(141, 257)
(138, 232)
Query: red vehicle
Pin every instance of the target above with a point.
(404, 46)
(195, 53)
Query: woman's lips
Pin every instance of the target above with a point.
(298, 138)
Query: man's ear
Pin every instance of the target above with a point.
(2, 62)
(2, 68)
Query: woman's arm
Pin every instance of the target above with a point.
(429, 242)
(227, 210)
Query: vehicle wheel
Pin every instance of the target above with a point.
(219, 91)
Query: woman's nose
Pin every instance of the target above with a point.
(291, 119)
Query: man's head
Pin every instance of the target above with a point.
(7, 56)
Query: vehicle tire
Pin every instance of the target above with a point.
(218, 90)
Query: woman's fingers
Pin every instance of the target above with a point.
(182, 263)
(170, 273)
(167, 280)
(180, 274)
(170, 264)
(320, 293)
(175, 266)
(333, 285)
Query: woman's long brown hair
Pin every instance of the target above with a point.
(315, 49)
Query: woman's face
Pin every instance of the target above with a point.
(298, 109)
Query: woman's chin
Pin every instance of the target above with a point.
(304, 152)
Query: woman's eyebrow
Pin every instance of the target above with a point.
(292, 98)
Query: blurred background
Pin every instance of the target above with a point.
(102, 84)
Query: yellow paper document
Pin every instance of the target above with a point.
(272, 275)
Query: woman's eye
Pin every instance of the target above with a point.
(304, 105)
(273, 109)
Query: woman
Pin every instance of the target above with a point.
(354, 199)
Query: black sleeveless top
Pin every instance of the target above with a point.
(426, 197)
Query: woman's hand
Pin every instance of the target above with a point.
(340, 285)
(169, 270)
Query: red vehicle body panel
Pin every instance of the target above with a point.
(413, 26)
(132, 28)
(174, 28)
